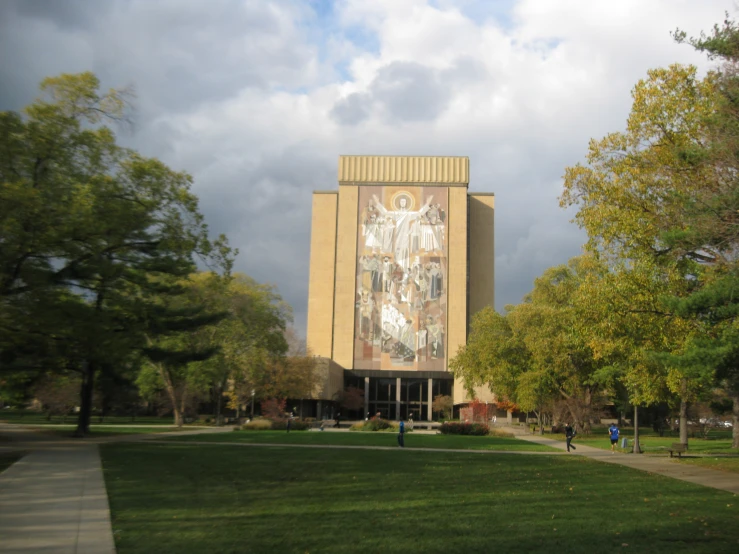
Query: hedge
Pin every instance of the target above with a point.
(454, 428)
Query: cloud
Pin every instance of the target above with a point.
(258, 99)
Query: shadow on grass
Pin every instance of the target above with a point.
(218, 499)
(371, 439)
(7, 459)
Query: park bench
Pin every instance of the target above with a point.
(677, 447)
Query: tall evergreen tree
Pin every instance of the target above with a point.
(91, 232)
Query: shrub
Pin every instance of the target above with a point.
(375, 424)
(257, 425)
(500, 433)
(297, 425)
(454, 428)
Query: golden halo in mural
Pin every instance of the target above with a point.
(410, 202)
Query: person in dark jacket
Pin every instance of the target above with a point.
(401, 434)
(569, 435)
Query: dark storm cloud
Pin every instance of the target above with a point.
(66, 14)
(406, 91)
(177, 54)
(264, 208)
(409, 91)
(353, 109)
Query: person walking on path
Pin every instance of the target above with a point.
(613, 434)
(338, 421)
(289, 423)
(401, 434)
(569, 435)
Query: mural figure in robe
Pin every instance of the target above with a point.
(402, 221)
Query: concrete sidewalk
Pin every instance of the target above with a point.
(54, 500)
(716, 479)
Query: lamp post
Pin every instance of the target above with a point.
(252, 403)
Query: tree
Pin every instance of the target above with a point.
(352, 398)
(633, 199)
(58, 394)
(90, 231)
(255, 326)
(273, 408)
(537, 350)
(710, 219)
(443, 403)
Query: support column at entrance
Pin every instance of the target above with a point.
(319, 415)
(366, 397)
(430, 412)
(397, 398)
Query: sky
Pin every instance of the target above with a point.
(257, 100)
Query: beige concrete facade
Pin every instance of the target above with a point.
(449, 170)
(482, 249)
(346, 263)
(322, 273)
(334, 275)
(457, 290)
(330, 379)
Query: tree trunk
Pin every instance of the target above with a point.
(683, 421)
(183, 405)
(539, 417)
(88, 384)
(735, 430)
(172, 394)
(219, 400)
(637, 448)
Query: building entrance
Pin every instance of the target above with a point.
(397, 398)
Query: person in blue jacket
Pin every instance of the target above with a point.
(613, 433)
(401, 434)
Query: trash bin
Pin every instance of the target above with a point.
(624, 442)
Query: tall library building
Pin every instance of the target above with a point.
(402, 256)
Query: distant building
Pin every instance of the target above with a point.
(401, 257)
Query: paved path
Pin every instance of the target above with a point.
(722, 480)
(54, 499)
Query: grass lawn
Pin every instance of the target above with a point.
(723, 464)
(96, 431)
(7, 459)
(372, 439)
(653, 443)
(38, 418)
(179, 498)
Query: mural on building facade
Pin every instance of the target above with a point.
(401, 295)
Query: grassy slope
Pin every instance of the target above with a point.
(722, 464)
(372, 439)
(7, 459)
(67, 430)
(178, 498)
(37, 418)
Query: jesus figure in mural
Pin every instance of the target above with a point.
(403, 219)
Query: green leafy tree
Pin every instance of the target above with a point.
(636, 187)
(538, 350)
(90, 232)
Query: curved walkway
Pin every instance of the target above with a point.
(713, 478)
(54, 500)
